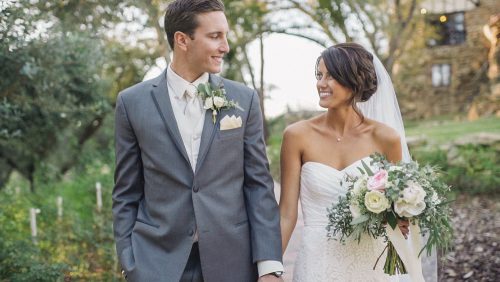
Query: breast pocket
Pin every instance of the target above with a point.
(230, 134)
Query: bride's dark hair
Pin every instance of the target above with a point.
(351, 65)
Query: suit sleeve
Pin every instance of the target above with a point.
(261, 205)
(129, 180)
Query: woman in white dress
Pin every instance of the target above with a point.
(315, 156)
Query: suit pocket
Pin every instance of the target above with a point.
(147, 223)
(240, 224)
(229, 134)
(127, 259)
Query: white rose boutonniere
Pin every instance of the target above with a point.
(215, 99)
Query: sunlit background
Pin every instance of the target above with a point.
(63, 64)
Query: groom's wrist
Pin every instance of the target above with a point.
(269, 267)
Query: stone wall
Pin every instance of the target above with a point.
(469, 72)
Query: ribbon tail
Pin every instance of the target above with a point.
(408, 251)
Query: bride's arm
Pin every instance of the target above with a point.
(290, 182)
(391, 148)
(390, 143)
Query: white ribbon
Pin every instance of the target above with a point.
(408, 251)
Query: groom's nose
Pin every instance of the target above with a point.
(224, 47)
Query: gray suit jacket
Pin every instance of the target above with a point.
(158, 201)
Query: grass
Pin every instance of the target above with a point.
(442, 131)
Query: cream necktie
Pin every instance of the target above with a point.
(192, 111)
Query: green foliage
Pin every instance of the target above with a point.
(61, 73)
(50, 86)
(79, 245)
(474, 169)
(276, 127)
(247, 20)
(20, 259)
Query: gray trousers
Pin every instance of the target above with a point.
(192, 272)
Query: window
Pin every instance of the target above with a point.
(441, 75)
(450, 29)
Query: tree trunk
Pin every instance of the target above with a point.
(5, 171)
(261, 88)
(31, 177)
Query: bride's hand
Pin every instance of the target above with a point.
(404, 226)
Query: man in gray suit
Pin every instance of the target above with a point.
(193, 198)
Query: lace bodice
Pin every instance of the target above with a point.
(320, 259)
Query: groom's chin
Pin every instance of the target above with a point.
(216, 68)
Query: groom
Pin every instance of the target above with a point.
(193, 198)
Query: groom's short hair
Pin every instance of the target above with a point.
(181, 16)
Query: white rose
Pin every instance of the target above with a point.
(355, 211)
(209, 103)
(413, 193)
(411, 203)
(218, 102)
(376, 202)
(359, 185)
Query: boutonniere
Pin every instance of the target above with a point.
(215, 99)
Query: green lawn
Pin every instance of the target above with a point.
(441, 131)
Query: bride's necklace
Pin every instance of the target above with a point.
(339, 138)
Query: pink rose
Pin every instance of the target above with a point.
(378, 181)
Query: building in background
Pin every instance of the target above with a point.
(457, 71)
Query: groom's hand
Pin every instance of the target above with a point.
(270, 278)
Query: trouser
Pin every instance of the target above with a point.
(192, 272)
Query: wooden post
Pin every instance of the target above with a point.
(59, 203)
(33, 213)
(98, 192)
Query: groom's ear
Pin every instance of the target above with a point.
(180, 40)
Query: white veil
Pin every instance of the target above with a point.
(383, 107)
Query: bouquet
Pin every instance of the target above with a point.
(375, 201)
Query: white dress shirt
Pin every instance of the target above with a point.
(191, 137)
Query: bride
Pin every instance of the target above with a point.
(317, 153)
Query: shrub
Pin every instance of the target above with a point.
(472, 169)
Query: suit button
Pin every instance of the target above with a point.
(196, 189)
(191, 232)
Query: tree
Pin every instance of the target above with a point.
(50, 86)
(248, 21)
(60, 80)
(386, 26)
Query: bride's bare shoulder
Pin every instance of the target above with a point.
(384, 134)
(302, 127)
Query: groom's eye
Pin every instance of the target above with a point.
(214, 35)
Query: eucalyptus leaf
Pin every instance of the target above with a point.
(207, 88)
(367, 169)
(201, 88)
(392, 220)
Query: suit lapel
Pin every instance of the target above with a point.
(208, 133)
(160, 96)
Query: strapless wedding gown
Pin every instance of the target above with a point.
(320, 259)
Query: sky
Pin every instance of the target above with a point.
(288, 66)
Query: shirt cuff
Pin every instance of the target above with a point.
(269, 266)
